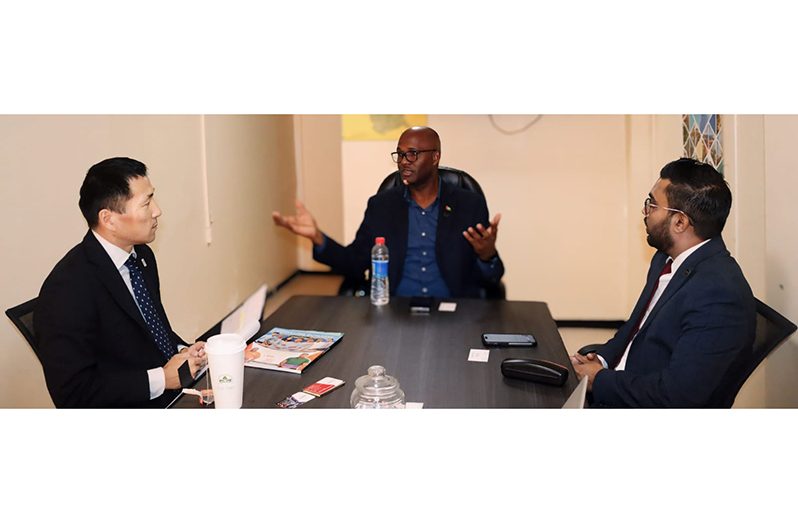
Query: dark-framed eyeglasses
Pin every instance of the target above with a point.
(411, 156)
(647, 205)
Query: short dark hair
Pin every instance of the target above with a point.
(107, 186)
(698, 190)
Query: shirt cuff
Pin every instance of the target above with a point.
(157, 382)
(603, 361)
(488, 268)
(318, 249)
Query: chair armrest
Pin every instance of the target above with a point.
(587, 349)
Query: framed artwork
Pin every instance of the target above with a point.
(360, 127)
(702, 138)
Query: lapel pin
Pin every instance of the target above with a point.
(447, 210)
(144, 262)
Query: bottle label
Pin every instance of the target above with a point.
(379, 268)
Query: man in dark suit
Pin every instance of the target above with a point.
(104, 338)
(435, 235)
(696, 316)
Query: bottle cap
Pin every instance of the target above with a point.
(379, 240)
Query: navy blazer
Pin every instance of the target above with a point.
(702, 325)
(387, 215)
(95, 346)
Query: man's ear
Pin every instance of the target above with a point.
(680, 223)
(106, 219)
(436, 157)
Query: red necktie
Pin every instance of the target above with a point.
(665, 270)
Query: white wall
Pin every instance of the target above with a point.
(43, 160)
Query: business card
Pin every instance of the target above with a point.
(478, 355)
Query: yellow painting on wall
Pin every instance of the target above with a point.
(361, 127)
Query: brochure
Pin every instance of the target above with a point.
(289, 350)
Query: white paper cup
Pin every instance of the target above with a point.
(226, 366)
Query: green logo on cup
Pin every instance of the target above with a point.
(225, 378)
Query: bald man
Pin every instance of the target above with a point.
(440, 239)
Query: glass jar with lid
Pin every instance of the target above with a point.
(377, 390)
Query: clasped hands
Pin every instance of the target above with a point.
(588, 365)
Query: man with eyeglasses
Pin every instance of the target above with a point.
(440, 239)
(696, 316)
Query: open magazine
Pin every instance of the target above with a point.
(289, 350)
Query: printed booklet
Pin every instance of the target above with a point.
(289, 350)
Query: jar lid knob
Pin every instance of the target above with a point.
(376, 370)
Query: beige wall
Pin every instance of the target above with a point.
(319, 181)
(744, 232)
(781, 254)
(761, 169)
(250, 171)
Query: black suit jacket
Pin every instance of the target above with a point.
(95, 347)
(387, 215)
(702, 326)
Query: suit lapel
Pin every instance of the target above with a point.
(397, 237)
(446, 221)
(111, 279)
(685, 272)
(657, 263)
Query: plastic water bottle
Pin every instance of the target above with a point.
(380, 292)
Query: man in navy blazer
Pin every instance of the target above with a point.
(101, 343)
(696, 316)
(434, 231)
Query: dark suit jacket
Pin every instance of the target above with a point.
(95, 347)
(387, 215)
(702, 325)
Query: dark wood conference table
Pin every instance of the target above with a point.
(427, 353)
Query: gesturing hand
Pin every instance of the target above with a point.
(484, 240)
(302, 223)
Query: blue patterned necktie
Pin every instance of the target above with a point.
(151, 318)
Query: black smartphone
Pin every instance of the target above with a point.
(420, 304)
(508, 340)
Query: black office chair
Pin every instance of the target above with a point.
(449, 175)
(772, 329)
(360, 286)
(22, 318)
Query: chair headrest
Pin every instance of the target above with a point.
(448, 175)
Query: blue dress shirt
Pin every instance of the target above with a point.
(421, 275)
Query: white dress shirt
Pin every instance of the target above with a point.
(663, 284)
(119, 257)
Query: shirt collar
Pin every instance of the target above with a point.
(679, 260)
(118, 256)
(437, 198)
